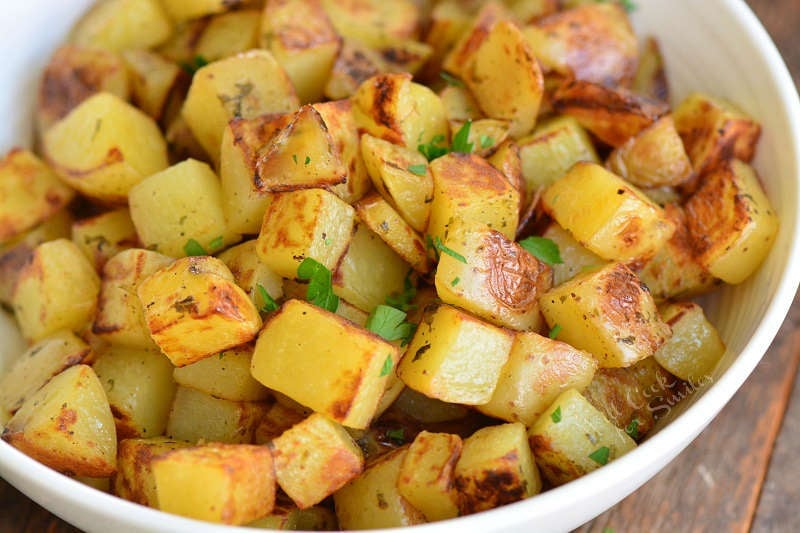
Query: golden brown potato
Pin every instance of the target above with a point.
(623, 400)
(472, 36)
(354, 64)
(134, 477)
(279, 418)
(506, 158)
(251, 274)
(651, 78)
(405, 55)
(226, 376)
(122, 24)
(448, 21)
(374, 22)
(576, 257)
(227, 34)
(157, 84)
(103, 236)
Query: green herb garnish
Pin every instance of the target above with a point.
(193, 248)
(461, 142)
(387, 366)
(600, 455)
(555, 416)
(439, 245)
(397, 435)
(320, 286)
(194, 65)
(402, 301)
(543, 249)
(451, 80)
(268, 304)
(554, 331)
(632, 429)
(308, 160)
(419, 170)
(216, 243)
(390, 324)
(434, 148)
(455, 281)
(486, 141)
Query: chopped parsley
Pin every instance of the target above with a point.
(455, 281)
(439, 245)
(451, 80)
(320, 286)
(390, 323)
(419, 170)
(554, 331)
(193, 248)
(268, 304)
(307, 161)
(387, 366)
(555, 416)
(402, 301)
(434, 148)
(543, 249)
(461, 142)
(396, 435)
(194, 65)
(632, 429)
(486, 141)
(216, 243)
(294, 158)
(600, 455)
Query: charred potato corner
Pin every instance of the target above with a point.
(328, 264)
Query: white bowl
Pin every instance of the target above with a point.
(716, 46)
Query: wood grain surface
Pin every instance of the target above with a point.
(740, 474)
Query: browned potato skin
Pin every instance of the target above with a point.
(459, 57)
(134, 478)
(355, 64)
(651, 77)
(617, 394)
(613, 115)
(507, 160)
(73, 74)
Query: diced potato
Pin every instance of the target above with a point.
(324, 362)
(572, 438)
(276, 420)
(122, 24)
(314, 459)
(290, 518)
(714, 129)
(246, 85)
(384, 221)
(67, 425)
(593, 42)
(226, 376)
(156, 83)
(180, 204)
(250, 273)
(613, 115)
(194, 309)
(695, 347)
(139, 387)
(551, 150)
(394, 108)
(30, 193)
(180, 10)
(104, 147)
(617, 394)
(606, 214)
(651, 78)
(369, 271)
(103, 236)
(389, 165)
(134, 479)
(196, 416)
(506, 158)
(495, 468)
(225, 483)
(304, 42)
(373, 499)
(655, 157)
(73, 74)
(467, 188)
(45, 359)
(576, 257)
(458, 59)
(227, 34)
(486, 134)
(374, 22)
(491, 277)
(731, 222)
(405, 55)
(608, 313)
(304, 223)
(57, 289)
(355, 63)
(455, 357)
(426, 477)
(120, 317)
(537, 371)
(300, 155)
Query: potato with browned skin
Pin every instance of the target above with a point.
(617, 394)
(181, 10)
(134, 477)
(157, 84)
(225, 34)
(252, 275)
(470, 37)
(355, 63)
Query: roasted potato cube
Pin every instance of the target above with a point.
(400, 174)
(276, 420)
(67, 425)
(467, 188)
(572, 438)
(651, 78)
(30, 193)
(731, 222)
(459, 105)
(369, 271)
(384, 221)
(139, 387)
(618, 394)
(537, 371)
(575, 257)
(301, 37)
(122, 24)
(314, 459)
(426, 477)
(355, 63)
(593, 42)
(73, 74)
(714, 129)
(606, 214)
(373, 500)
(324, 362)
(613, 115)
(374, 22)
(473, 35)
(300, 155)
(506, 158)
(194, 309)
(654, 157)
(180, 10)
(120, 317)
(304, 223)
(156, 83)
(695, 347)
(405, 55)
(455, 357)
(608, 313)
(45, 359)
(178, 208)
(134, 479)
(495, 468)
(226, 376)
(394, 108)
(105, 146)
(103, 236)
(251, 274)
(57, 289)
(226, 483)
(245, 85)
(227, 34)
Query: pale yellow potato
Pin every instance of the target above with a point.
(576, 257)
(402, 55)
(134, 479)
(374, 22)
(56, 289)
(103, 236)
(459, 105)
(194, 309)
(122, 24)
(695, 347)
(225, 376)
(224, 483)
(227, 34)
(139, 387)
(156, 83)
(180, 10)
(314, 459)
(105, 146)
(250, 273)
(324, 362)
(67, 425)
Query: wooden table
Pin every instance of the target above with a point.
(740, 474)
